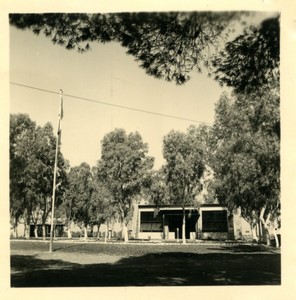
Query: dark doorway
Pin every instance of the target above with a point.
(174, 220)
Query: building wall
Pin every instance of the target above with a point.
(18, 232)
(242, 229)
(150, 235)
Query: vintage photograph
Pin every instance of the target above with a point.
(144, 149)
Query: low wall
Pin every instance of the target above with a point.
(150, 235)
(159, 235)
(213, 235)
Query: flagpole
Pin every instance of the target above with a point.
(55, 174)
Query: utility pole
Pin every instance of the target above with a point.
(55, 170)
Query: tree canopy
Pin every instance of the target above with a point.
(157, 191)
(252, 59)
(166, 45)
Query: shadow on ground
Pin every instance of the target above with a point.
(153, 269)
(240, 248)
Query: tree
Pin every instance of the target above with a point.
(32, 154)
(246, 134)
(44, 157)
(124, 169)
(252, 59)
(77, 201)
(156, 191)
(167, 45)
(21, 128)
(103, 207)
(184, 155)
(246, 156)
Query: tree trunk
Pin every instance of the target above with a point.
(184, 227)
(277, 245)
(43, 232)
(124, 226)
(267, 237)
(260, 232)
(15, 231)
(124, 231)
(27, 227)
(44, 217)
(265, 226)
(91, 230)
(15, 228)
(254, 232)
(69, 232)
(106, 232)
(85, 233)
(27, 231)
(35, 231)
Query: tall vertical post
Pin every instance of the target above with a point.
(55, 174)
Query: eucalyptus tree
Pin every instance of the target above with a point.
(246, 156)
(32, 155)
(246, 133)
(77, 200)
(124, 168)
(21, 130)
(103, 208)
(156, 191)
(45, 154)
(185, 164)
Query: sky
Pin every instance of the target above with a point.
(108, 74)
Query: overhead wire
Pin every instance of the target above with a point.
(108, 103)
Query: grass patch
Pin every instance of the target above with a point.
(91, 264)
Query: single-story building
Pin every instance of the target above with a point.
(208, 221)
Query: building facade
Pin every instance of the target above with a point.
(207, 222)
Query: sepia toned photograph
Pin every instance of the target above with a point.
(144, 149)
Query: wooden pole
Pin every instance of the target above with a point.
(55, 176)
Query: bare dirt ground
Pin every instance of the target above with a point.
(76, 258)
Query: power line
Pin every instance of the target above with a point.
(109, 104)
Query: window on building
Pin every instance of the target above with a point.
(214, 221)
(150, 222)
